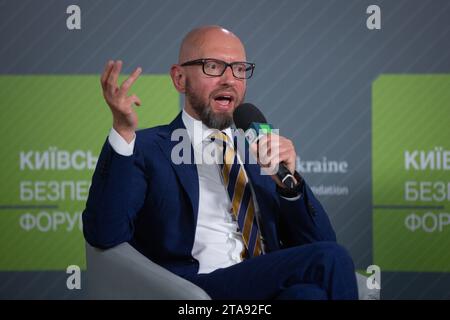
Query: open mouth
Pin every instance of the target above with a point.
(224, 101)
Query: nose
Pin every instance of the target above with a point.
(228, 76)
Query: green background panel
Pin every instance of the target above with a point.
(400, 249)
(407, 115)
(67, 112)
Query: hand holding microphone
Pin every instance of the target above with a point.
(273, 152)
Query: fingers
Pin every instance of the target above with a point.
(129, 82)
(106, 73)
(275, 144)
(114, 76)
(110, 77)
(135, 100)
(268, 151)
(269, 144)
(274, 149)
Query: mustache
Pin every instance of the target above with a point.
(225, 89)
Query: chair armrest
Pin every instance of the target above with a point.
(364, 293)
(124, 273)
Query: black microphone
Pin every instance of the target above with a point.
(251, 120)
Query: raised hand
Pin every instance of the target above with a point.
(125, 120)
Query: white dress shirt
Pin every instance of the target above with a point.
(217, 242)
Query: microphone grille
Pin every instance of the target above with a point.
(245, 114)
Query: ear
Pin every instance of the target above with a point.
(178, 78)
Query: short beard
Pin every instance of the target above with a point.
(205, 112)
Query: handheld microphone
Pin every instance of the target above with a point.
(251, 120)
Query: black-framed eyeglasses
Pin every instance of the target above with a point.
(216, 68)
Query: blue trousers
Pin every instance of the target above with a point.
(320, 270)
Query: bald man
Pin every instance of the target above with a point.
(226, 227)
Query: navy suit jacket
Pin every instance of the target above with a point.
(147, 200)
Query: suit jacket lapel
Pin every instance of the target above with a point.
(187, 173)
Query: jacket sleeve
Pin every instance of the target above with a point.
(304, 220)
(116, 195)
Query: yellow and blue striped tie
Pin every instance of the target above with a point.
(238, 187)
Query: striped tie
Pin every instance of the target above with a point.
(235, 180)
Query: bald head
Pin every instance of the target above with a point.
(210, 98)
(199, 41)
